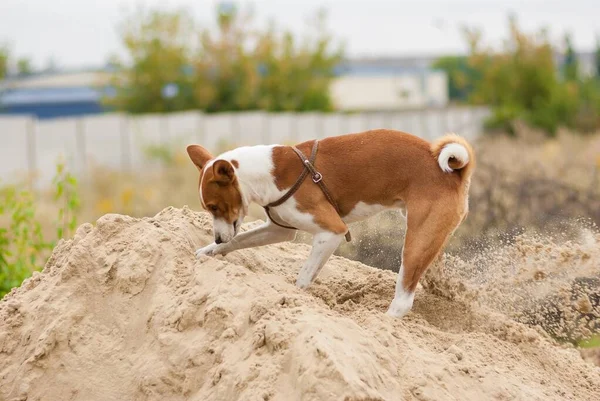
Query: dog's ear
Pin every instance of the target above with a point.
(223, 171)
(199, 155)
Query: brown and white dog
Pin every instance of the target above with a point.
(365, 174)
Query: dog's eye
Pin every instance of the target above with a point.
(213, 208)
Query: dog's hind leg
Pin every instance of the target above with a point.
(428, 227)
(265, 234)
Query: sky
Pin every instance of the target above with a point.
(82, 33)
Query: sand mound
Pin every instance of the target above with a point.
(125, 312)
(537, 280)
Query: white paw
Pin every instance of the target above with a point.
(209, 250)
(400, 306)
(396, 313)
(302, 282)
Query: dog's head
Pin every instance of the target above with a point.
(220, 193)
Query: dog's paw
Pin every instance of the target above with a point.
(400, 307)
(302, 283)
(209, 250)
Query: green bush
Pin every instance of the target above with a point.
(235, 67)
(523, 82)
(461, 76)
(23, 248)
(22, 244)
(67, 200)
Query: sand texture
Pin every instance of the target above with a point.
(124, 311)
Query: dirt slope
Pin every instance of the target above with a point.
(125, 312)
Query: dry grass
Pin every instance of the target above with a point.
(533, 183)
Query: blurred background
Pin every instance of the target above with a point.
(99, 99)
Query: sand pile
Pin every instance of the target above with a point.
(538, 280)
(125, 312)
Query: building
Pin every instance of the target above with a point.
(361, 84)
(54, 94)
(389, 84)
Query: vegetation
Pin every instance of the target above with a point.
(461, 76)
(597, 57)
(22, 244)
(593, 342)
(570, 64)
(23, 248)
(67, 199)
(23, 64)
(174, 66)
(522, 82)
(4, 53)
(158, 45)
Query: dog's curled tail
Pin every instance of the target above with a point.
(454, 153)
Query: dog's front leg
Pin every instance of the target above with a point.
(265, 234)
(324, 243)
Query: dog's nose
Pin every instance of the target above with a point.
(218, 239)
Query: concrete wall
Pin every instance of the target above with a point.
(29, 147)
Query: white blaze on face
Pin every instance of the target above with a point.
(223, 230)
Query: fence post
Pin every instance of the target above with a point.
(163, 121)
(320, 124)
(125, 143)
(236, 133)
(344, 124)
(80, 145)
(424, 126)
(294, 128)
(30, 151)
(200, 127)
(389, 117)
(266, 128)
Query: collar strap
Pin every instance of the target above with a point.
(317, 178)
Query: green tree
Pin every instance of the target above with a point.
(296, 74)
(461, 76)
(571, 64)
(521, 82)
(4, 56)
(235, 67)
(597, 56)
(154, 78)
(24, 66)
(242, 68)
(226, 70)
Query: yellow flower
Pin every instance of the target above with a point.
(126, 197)
(105, 205)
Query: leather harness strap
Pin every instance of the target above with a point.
(317, 178)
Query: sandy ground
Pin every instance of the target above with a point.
(125, 312)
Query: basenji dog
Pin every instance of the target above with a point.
(352, 177)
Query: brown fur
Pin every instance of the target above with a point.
(384, 167)
(220, 187)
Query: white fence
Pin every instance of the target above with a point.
(29, 147)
